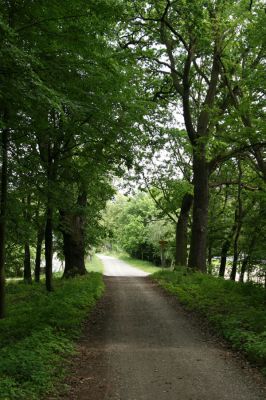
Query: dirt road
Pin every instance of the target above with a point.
(141, 345)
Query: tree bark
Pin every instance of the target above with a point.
(72, 227)
(37, 269)
(3, 206)
(247, 259)
(224, 251)
(27, 267)
(243, 268)
(238, 221)
(210, 258)
(181, 231)
(197, 255)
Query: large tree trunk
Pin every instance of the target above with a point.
(27, 267)
(181, 231)
(73, 234)
(74, 251)
(3, 205)
(37, 269)
(197, 255)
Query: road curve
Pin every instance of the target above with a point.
(115, 267)
(141, 345)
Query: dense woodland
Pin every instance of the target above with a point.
(169, 95)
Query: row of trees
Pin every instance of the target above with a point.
(205, 60)
(88, 89)
(150, 223)
(70, 110)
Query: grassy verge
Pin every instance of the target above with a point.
(39, 333)
(95, 265)
(237, 311)
(143, 265)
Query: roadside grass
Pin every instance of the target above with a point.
(145, 266)
(39, 333)
(94, 265)
(237, 311)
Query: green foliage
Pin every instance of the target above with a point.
(38, 333)
(135, 225)
(236, 310)
(95, 265)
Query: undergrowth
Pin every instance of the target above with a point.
(236, 310)
(39, 333)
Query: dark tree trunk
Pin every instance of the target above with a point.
(48, 234)
(238, 220)
(224, 252)
(246, 259)
(181, 231)
(235, 258)
(210, 259)
(3, 205)
(74, 252)
(27, 267)
(74, 241)
(243, 268)
(197, 255)
(37, 269)
(234, 266)
(49, 249)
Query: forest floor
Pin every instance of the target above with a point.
(140, 344)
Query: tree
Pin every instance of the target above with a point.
(185, 45)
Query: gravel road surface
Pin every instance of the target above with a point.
(140, 344)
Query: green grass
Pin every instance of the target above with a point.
(95, 265)
(236, 310)
(39, 334)
(143, 265)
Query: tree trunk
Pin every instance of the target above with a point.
(49, 249)
(37, 269)
(243, 268)
(249, 253)
(74, 251)
(235, 258)
(210, 259)
(224, 251)
(197, 255)
(181, 231)
(238, 220)
(74, 241)
(27, 267)
(3, 205)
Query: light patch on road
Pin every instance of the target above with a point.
(115, 267)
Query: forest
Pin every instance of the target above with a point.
(134, 126)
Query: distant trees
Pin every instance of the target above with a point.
(135, 225)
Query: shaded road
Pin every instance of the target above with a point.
(141, 345)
